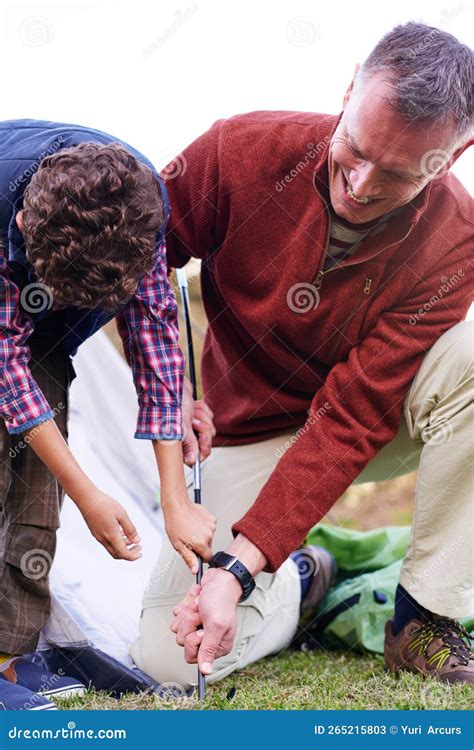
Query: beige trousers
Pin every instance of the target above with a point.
(436, 435)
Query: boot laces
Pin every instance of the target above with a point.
(454, 636)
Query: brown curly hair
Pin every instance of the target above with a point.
(91, 214)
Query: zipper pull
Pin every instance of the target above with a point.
(368, 283)
(318, 280)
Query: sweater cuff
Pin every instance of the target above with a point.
(263, 537)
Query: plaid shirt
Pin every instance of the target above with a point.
(148, 326)
(149, 330)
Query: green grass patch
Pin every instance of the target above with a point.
(295, 680)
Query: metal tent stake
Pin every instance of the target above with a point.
(183, 288)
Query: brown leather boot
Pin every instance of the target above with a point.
(439, 647)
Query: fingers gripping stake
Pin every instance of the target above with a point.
(183, 288)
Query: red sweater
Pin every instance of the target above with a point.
(251, 201)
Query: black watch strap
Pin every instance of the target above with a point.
(233, 565)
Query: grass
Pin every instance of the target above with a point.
(295, 680)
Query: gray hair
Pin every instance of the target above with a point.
(431, 72)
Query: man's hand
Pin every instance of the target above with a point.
(205, 620)
(110, 525)
(190, 529)
(197, 417)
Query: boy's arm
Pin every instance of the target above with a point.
(107, 520)
(26, 411)
(189, 527)
(148, 326)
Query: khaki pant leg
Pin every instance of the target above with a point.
(439, 564)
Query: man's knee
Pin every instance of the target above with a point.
(455, 345)
(442, 388)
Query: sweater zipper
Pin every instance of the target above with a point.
(321, 273)
(368, 282)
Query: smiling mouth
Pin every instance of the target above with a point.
(363, 201)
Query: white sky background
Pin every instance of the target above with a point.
(157, 74)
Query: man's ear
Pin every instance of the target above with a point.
(19, 221)
(350, 87)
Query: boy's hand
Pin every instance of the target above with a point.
(110, 525)
(197, 418)
(190, 528)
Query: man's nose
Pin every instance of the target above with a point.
(365, 182)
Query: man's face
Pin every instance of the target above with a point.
(378, 161)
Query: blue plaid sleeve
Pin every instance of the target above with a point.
(148, 326)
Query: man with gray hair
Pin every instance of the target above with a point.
(336, 275)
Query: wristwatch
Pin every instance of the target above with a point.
(233, 565)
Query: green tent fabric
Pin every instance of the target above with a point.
(354, 611)
(361, 551)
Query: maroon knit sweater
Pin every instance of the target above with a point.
(251, 200)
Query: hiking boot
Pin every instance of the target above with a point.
(438, 647)
(322, 569)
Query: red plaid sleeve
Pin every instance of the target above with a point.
(148, 326)
(22, 403)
